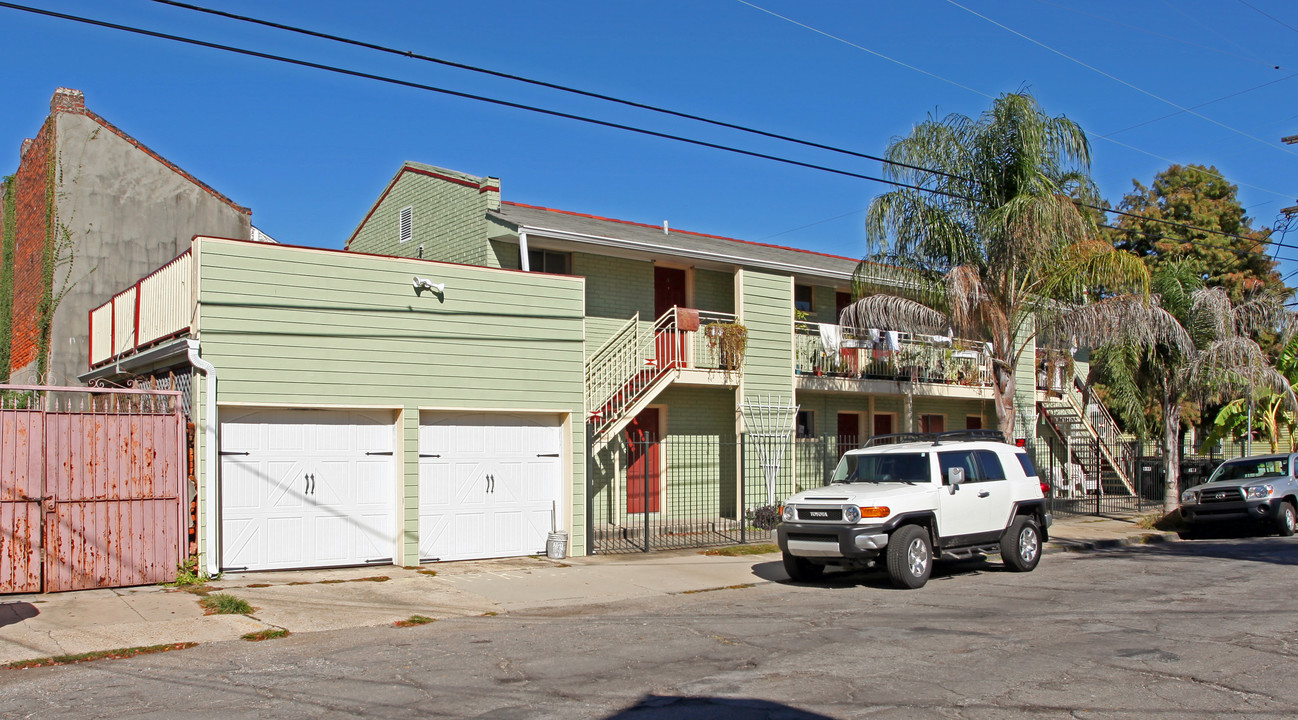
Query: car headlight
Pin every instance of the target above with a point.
(851, 513)
(786, 514)
(1189, 497)
(1259, 491)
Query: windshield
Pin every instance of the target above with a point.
(892, 467)
(1256, 468)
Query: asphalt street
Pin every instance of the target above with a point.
(1202, 629)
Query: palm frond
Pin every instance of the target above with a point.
(893, 313)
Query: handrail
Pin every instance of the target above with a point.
(1100, 424)
(918, 358)
(158, 306)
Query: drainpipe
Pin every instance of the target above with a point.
(210, 459)
(522, 251)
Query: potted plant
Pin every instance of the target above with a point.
(727, 344)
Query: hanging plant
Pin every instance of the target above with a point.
(727, 344)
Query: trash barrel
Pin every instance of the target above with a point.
(556, 545)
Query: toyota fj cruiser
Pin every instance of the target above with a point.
(1262, 488)
(907, 499)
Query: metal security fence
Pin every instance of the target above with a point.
(1083, 482)
(687, 491)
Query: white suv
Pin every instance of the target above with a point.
(906, 499)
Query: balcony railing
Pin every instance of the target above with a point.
(155, 308)
(835, 351)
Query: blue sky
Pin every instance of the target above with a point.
(309, 151)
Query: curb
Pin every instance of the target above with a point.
(1150, 538)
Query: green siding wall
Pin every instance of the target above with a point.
(292, 326)
(449, 218)
(1025, 387)
(766, 308)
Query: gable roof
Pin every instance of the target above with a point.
(483, 184)
(629, 235)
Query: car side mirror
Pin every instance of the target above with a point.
(954, 476)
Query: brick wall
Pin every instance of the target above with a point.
(30, 232)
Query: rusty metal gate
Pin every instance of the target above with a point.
(93, 484)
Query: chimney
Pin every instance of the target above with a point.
(491, 188)
(68, 100)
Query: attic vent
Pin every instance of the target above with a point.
(407, 224)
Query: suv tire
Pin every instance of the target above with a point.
(1285, 519)
(910, 557)
(1021, 545)
(801, 569)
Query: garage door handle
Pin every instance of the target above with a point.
(428, 455)
(234, 452)
(381, 452)
(984, 493)
(547, 454)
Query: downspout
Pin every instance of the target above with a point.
(210, 461)
(522, 251)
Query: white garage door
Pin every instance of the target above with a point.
(488, 484)
(306, 488)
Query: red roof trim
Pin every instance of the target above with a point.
(683, 232)
(153, 154)
(418, 171)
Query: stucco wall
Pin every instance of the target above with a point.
(125, 213)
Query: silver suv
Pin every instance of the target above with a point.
(1262, 488)
(910, 498)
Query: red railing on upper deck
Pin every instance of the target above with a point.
(157, 307)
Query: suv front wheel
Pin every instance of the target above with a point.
(910, 557)
(1021, 545)
(800, 569)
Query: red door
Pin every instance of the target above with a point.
(643, 463)
(849, 431)
(669, 292)
(883, 425)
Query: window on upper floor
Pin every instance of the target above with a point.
(549, 261)
(802, 295)
(406, 224)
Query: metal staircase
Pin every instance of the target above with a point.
(629, 371)
(1098, 461)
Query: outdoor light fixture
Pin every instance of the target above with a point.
(425, 284)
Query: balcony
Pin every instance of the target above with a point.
(837, 353)
(156, 308)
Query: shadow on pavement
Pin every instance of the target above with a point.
(13, 613)
(708, 708)
(1231, 545)
(876, 577)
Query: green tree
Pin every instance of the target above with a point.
(1197, 196)
(1271, 411)
(1220, 360)
(993, 247)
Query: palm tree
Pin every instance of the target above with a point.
(1220, 362)
(1270, 413)
(989, 243)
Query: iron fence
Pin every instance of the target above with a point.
(1084, 480)
(687, 491)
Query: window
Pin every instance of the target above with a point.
(806, 424)
(963, 459)
(932, 423)
(406, 224)
(973, 422)
(548, 261)
(802, 298)
(1028, 468)
(990, 465)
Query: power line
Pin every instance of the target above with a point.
(1115, 78)
(949, 81)
(659, 109)
(1268, 15)
(580, 118)
(467, 96)
(1173, 38)
(539, 83)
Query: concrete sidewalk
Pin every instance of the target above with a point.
(36, 626)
